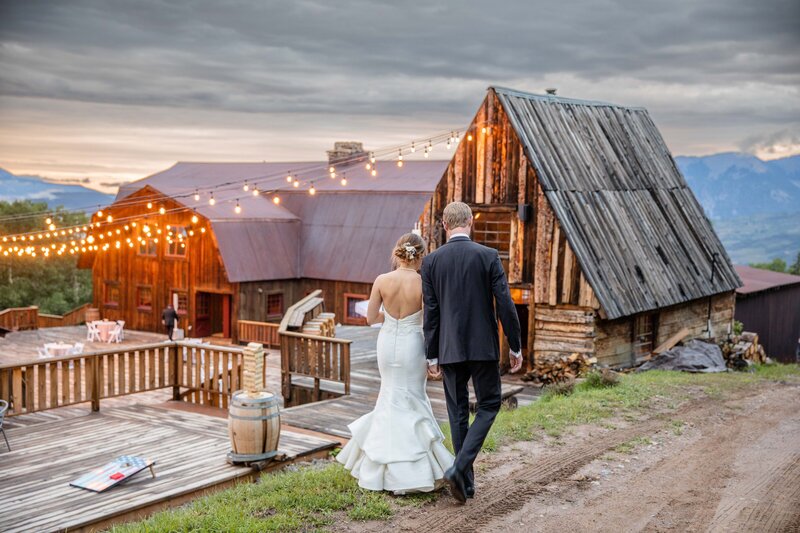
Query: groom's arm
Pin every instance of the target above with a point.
(506, 310)
(430, 323)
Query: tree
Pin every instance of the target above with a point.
(795, 268)
(55, 284)
(776, 265)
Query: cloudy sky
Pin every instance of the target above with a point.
(115, 90)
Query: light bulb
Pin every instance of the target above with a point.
(194, 219)
(399, 155)
(344, 182)
(276, 200)
(368, 166)
(413, 148)
(211, 200)
(312, 191)
(483, 130)
(400, 163)
(430, 146)
(245, 187)
(100, 213)
(255, 191)
(196, 196)
(372, 157)
(448, 144)
(51, 227)
(48, 221)
(110, 219)
(238, 208)
(374, 172)
(289, 178)
(296, 184)
(149, 205)
(469, 137)
(333, 175)
(331, 170)
(161, 210)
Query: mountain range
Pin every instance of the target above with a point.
(70, 196)
(753, 204)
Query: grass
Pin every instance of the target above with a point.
(632, 444)
(310, 499)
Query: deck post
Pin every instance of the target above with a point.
(174, 351)
(95, 384)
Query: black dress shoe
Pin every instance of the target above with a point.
(469, 491)
(456, 482)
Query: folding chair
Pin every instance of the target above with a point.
(77, 348)
(43, 353)
(3, 410)
(114, 334)
(93, 334)
(121, 329)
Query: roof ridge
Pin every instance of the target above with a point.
(561, 99)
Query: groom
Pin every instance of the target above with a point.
(463, 283)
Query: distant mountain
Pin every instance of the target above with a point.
(55, 194)
(733, 185)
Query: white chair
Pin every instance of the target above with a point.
(92, 334)
(43, 353)
(113, 335)
(121, 329)
(77, 348)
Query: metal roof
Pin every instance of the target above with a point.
(640, 235)
(341, 233)
(757, 279)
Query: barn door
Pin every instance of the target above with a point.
(644, 335)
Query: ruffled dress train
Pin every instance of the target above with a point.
(398, 447)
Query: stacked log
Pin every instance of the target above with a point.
(559, 368)
(741, 351)
(324, 325)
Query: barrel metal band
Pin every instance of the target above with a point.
(239, 417)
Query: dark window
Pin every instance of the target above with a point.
(493, 229)
(144, 298)
(274, 305)
(148, 246)
(350, 314)
(176, 241)
(182, 306)
(111, 298)
(203, 304)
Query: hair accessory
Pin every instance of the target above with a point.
(411, 251)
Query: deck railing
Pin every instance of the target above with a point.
(19, 318)
(70, 318)
(198, 373)
(312, 356)
(265, 333)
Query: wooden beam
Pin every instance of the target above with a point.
(552, 294)
(672, 341)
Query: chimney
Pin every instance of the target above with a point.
(551, 91)
(346, 151)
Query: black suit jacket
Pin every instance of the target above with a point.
(462, 283)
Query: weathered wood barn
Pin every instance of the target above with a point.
(607, 250)
(222, 266)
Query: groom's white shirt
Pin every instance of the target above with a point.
(432, 362)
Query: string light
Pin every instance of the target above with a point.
(48, 221)
(196, 196)
(413, 148)
(372, 157)
(289, 178)
(276, 200)
(149, 205)
(194, 219)
(332, 170)
(51, 227)
(255, 191)
(110, 219)
(296, 184)
(161, 210)
(211, 200)
(344, 181)
(469, 137)
(238, 208)
(312, 191)
(245, 187)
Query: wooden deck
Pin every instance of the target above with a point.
(20, 346)
(332, 416)
(51, 449)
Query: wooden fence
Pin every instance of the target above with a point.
(71, 318)
(208, 374)
(19, 318)
(265, 333)
(311, 356)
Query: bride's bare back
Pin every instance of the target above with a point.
(399, 291)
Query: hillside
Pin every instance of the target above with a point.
(733, 185)
(55, 194)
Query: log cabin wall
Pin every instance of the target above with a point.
(126, 275)
(616, 341)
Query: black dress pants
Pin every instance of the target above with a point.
(468, 439)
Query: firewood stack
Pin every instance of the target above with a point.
(555, 369)
(741, 351)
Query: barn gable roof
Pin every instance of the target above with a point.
(641, 237)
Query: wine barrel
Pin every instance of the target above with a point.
(254, 426)
(92, 314)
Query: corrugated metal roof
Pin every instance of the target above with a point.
(757, 280)
(341, 233)
(640, 235)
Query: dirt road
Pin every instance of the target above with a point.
(714, 464)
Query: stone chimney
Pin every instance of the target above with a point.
(346, 151)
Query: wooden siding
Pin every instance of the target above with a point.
(200, 270)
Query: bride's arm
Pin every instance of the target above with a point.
(374, 315)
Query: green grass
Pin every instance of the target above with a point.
(310, 499)
(630, 445)
(305, 499)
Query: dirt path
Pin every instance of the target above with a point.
(712, 465)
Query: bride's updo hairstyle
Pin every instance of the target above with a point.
(409, 248)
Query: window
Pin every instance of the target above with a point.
(144, 298)
(176, 241)
(351, 316)
(148, 246)
(180, 300)
(111, 296)
(274, 305)
(203, 304)
(493, 229)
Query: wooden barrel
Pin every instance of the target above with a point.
(92, 314)
(254, 426)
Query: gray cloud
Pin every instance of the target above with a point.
(723, 67)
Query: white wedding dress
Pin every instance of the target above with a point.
(399, 447)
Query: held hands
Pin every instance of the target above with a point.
(434, 372)
(516, 362)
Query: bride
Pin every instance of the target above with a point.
(399, 447)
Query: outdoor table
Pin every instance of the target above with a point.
(57, 349)
(104, 327)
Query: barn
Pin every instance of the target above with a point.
(769, 304)
(607, 250)
(246, 258)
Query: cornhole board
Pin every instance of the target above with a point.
(113, 473)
